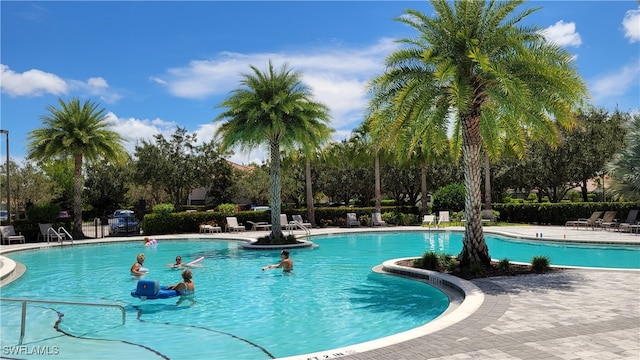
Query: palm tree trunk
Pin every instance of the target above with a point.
(77, 197)
(423, 187)
(378, 205)
(311, 212)
(487, 182)
(276, 228)
(474, 248)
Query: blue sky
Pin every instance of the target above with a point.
(157, 65)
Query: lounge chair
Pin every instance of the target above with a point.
(631, 223)
(443, 217)
(608, 220)
(591, 221)
(284, 223)
(376, 219)
(9, 235)
(206, 228)
(232, 224)
(352, 220)
(429, 220)
(256, 226)
(298, 219)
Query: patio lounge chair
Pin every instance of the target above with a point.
(48, 233)
(206, 228)
(232, 224)
(256, 226)
(284, 223)
(352, 220)
(591, 221)
(608, 220)
(298, 219)
(429, 220)
(631, 223)
(9, 235)
(443, 217)
(376, 219)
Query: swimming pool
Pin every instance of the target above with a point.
(332, 300)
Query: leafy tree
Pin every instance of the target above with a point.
(178, 164)
(276, 108)
(625, 167)
(474, 64)
(221, 185)
(450, 197)
(77, 131)
(107, 186)
(29, 185)
(253, 184)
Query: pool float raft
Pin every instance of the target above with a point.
(151, 290)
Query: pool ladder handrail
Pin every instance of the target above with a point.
(299, 224)
(61, 234)
(24, 302)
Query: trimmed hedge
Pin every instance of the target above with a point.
(559, 213)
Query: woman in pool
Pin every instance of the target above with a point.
(150, 242)
(137, 269)
(286, 264)
(178, 263)
(186, 288)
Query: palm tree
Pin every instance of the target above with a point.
(625, 167)
(275, 108)
(79, 131)
(473, 64)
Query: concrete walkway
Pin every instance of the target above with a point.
(568, 314)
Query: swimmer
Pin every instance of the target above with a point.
(286, 264)
(136, 268)
(178, 263)
(186, 288)
(150, 242)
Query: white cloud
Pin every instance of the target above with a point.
(616, 84)
(336, 75)
(31, 82)
(134, 130)
(562, 34)
(631, 24)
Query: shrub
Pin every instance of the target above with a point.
(532, 198)
(450, 197)
(429, 261)
(284, 240)
(228, 209)
(163, 208)
(540, 264)
(505, 264)
(365, 220)
(45, 213)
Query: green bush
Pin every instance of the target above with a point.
(540, 264)
(505, 264)
(44, 213)
(429, 261)
(533, 198)
(163, 209)
(450, 197)
(228, 209)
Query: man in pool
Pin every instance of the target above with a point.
(136, 268)
(286, 264)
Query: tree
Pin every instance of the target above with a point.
(276, 108)
(29, 185)
(473, 64)
(625, 167)
(177, 165)
(107, 186)
(78, 131)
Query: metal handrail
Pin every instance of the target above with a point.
(61, 229)
(24, 309)
(299, 224)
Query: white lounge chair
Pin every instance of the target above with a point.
(206, 228)
(232, 224)
(429, 220)
(376, 219)
(352, 220)
(298, 218)
(256, 226)
(284, 223)
(443, 217)
(9, 235)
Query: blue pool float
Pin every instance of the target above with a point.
(151, 290)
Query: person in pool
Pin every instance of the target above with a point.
(178, 263)
(286, 263)
(136, 268)
(150, 242)
(186, 288)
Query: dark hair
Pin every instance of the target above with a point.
(285, 252)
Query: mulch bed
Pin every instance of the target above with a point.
(491, 271)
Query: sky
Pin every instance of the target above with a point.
(154, 66)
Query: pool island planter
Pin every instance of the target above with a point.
(251, 244)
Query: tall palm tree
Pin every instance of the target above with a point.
(474, 64)
(276, 108)
(80, 131)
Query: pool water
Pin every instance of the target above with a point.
(332, 300)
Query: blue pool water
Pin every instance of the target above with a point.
(332, 300)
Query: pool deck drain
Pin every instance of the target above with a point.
(569, 314)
